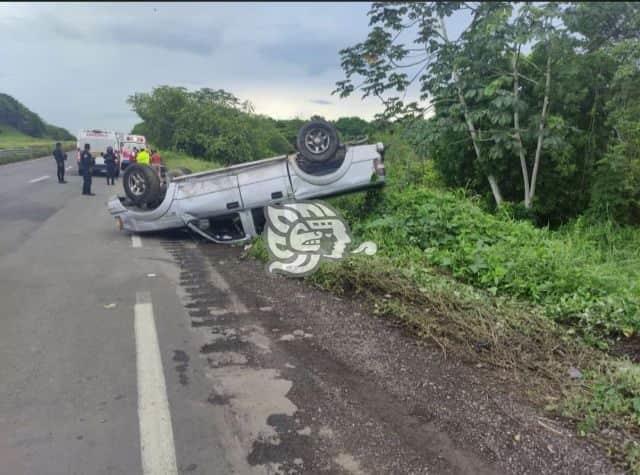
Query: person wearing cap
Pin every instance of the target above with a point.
(110, 162)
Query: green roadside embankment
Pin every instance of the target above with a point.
(16, 146)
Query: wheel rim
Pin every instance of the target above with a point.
(317, 141)
(137, 184)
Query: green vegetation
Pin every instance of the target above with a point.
(218, 127)
(16, 118)
(24, 131)
(585, 275)
(554, 131)
(213, 125)
(27, 146)
(174, 160)
(12, 138)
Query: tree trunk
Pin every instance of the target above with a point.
(495, 189)
(516, 126)
(543, 117)
(493, 183)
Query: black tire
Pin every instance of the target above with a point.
(141, 184)
(317, 141)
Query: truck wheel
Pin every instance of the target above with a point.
(317, 141)
(141, 184)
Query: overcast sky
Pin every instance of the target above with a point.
(76, 64)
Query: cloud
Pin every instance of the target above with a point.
(199, 38)
(312, 55)
(322, 102)
(192, 41)
(76, 64)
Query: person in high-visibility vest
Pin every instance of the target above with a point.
(143, 157)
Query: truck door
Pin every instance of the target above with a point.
(264, 184)
(211, 195)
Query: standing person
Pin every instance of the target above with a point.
(134, 155)
(143, 157)
(156, 162)
(155, 158)
(86, 165)
(60, 156)
(110, 162)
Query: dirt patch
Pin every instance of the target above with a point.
(629, 347)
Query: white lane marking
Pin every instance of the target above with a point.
(69, 167)
(136, 241)
(36, 180)
(157, 449)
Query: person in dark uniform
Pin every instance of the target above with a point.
(60, 157)
(86, 166)
(110, 162)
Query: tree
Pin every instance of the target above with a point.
(16, 115)
(602, 23)
(352, 127)
(382, 63)
(616, 192)
(473, 80)
(160, 110)
(211, 124)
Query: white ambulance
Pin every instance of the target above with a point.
(98, 140)
(127, 143)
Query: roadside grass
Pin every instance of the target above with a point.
(16, 146)
(12, 138)
(173, 159)
(26, 147)
(533, 302)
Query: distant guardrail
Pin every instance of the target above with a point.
(8, 155)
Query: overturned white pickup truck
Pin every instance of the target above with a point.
(227, 205)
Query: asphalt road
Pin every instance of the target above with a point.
(123, 354)
(68, 379)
